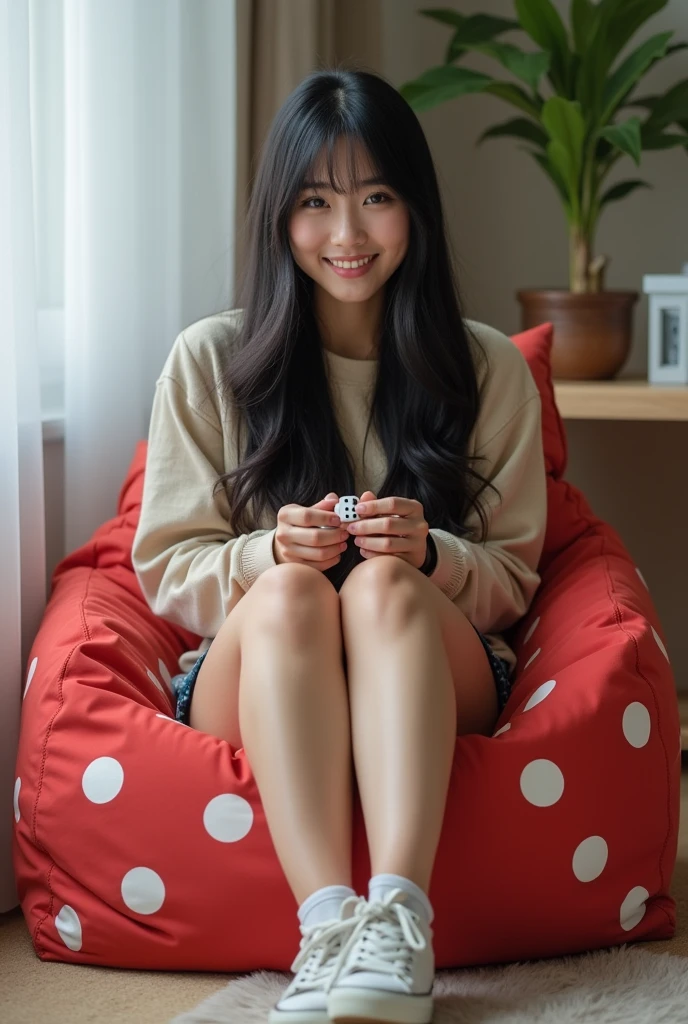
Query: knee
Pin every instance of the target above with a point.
(380, 586)
(292, 595)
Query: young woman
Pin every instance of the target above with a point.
(330, 647)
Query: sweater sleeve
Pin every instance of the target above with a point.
(494, 582)
(191, 568)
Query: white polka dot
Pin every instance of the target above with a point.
(590, 858)
(143, 890)
(69, 928)
(17, 787)
(641, 576)
(164, 672)
(633, 908)
(542, 691)
(532, 658)
(102, 780)
(170, 719)
(530, 632)
(503, 729)
(636, 724)
(30, 676)
(228, 818)
(542, 783)
(659, 643)
(154, 679)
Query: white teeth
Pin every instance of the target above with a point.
(351, 264)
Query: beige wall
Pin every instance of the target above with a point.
(509, 232)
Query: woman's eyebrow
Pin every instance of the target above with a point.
(325, 185)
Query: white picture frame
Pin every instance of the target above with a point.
(667, 354)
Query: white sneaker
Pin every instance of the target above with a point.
(385, 971)
(304, 1001)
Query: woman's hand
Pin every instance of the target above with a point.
(391, 526)
(298, 539)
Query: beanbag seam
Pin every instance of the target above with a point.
(576, 497)
(619, 619)
(39, 787)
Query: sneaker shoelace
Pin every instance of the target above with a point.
(319, 945)
(381, 928)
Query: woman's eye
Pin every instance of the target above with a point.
(319, 199)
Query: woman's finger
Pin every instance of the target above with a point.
(393, 545)
(316, 554)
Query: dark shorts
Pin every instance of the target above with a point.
(500, 672)
(184, 684)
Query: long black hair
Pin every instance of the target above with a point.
(426, 398)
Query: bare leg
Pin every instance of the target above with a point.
(294, 718)
(403, 721)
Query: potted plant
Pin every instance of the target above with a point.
(577, 132)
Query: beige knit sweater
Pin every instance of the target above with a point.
(193, 570)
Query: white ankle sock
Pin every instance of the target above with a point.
(324, 904)
(417, 900)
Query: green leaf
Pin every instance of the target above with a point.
(518, 127)
(442, 83)
(542, 22)
(480, 28)
(615, 23)
(627, 74)
(671, 107)
(515, 95)
(444, 15)
(474, 28)
(564, 123)
(625, 136)
(553, 175)
(664, 140)
(602, 151)
(560, 158)
(529, 67)
(622, 189)
(648, 101)
(643, 101)
(582, 19)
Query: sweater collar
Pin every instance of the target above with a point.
(350, 371)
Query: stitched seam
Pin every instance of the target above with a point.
(505, 425)
(167, 376)
(37, 841)
(202, 376)
(574, 496)
(618, 617)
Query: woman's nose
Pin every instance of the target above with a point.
(347, 231)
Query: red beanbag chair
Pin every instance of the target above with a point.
(142, 843)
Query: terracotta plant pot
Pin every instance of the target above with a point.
(592, 332)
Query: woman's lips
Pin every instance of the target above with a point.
(356, 272)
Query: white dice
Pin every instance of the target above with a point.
(346, 508)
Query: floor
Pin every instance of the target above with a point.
(32, 991)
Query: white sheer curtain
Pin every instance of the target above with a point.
(149, 218)
(149, 168)
(22, 532)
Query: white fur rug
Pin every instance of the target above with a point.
(622, 985)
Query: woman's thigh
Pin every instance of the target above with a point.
(366, 593)
(215, 701)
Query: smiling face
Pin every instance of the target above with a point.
(371, 222)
